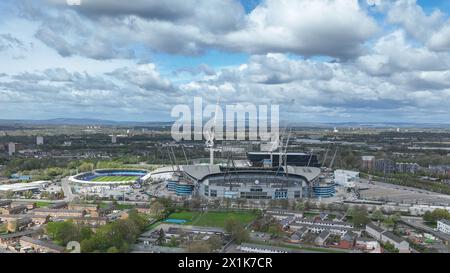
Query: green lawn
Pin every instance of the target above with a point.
(42, 204)
(115, 178)
(311, 214)
(212, 219)
(152, 226)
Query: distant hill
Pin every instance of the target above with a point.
(100, 122)
(82, 122)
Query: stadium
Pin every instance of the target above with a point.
(110, 177)
(214, 181)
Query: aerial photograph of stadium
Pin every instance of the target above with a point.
(230, 128)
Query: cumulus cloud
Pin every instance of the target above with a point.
(432, 30)
(392, 53)
(413, 18)
(327, 89)
(323, 27)
(401, 70)
(440, 40)
(213, 15)
(145, 76)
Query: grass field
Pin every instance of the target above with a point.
(42, 204)
(115, 178)
(212, 219)
(105, 205)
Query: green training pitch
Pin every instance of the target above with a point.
(115, 178)
(212, 219)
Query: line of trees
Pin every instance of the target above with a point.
(115, 237)
(435, 215)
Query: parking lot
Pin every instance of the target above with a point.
(395, 193)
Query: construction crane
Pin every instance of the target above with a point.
(185, 157)
(333, 159)
(310, 157)
(325, 156)
(170, 159)
(281, 161)
(211, 135)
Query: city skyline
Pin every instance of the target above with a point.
(322, 61)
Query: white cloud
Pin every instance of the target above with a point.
(440, 40)
(336, 28)
(88, 59)
(413, 18)
(392, 53)
(145, 76)
(323, 27)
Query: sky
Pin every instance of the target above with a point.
(320, 60)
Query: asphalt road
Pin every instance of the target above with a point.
(68, 195)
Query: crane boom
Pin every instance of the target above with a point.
(334, 158)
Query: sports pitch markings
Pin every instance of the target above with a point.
(115, 178)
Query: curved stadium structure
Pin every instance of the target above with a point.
(110, 177)
(251, 183)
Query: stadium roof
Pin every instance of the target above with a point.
(199, 172)
(23, 186)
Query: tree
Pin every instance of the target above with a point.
(9, 194)
(157, 209)
(215, 242)
(63, 232)
(360, 216)
(377, 215)
(308, 205)
(161, 237)
(85, 167)
(435, 215)
(112, 249)
(390, 248)
(198, 247)
(275, 230)
(173, 242)
(168, 204)
(236, 230)
(28, 194)
(119, 234)
(300, 206)
(85, 233)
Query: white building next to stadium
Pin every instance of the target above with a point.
(345, 178)
(22, 187)
(443, 225)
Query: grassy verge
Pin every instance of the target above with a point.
(152, 226)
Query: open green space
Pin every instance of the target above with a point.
(115, 178)
(3, 228)
(104, 205)
(152, 226)
(212, 219)
(310, 214)
(42, 204)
